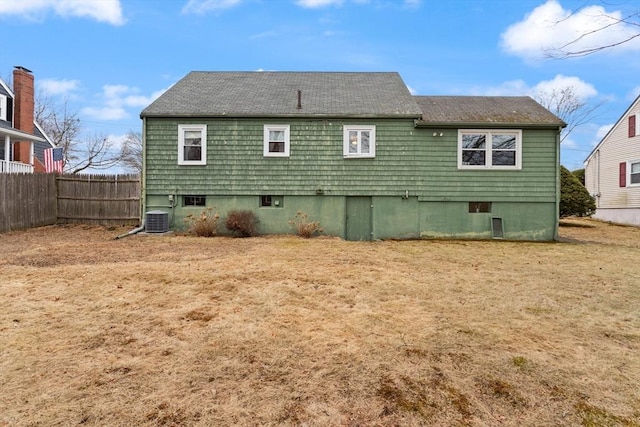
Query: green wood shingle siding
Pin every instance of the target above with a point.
(407, 159)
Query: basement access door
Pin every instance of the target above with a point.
(359, 218)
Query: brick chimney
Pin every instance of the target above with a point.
(23, 110)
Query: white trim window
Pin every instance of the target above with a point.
(634, 173)
(489, 149)
(359, 141)
(276, 140)
(192, 144)
(3, 108)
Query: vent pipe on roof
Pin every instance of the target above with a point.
(299, 107)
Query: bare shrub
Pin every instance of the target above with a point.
(303, 226)
(203, 225)
(243, 223)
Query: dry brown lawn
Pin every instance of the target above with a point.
(184, 331)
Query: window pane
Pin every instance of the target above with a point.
(276, 147)
(192, 153)
(473, 140)
(479, 207)
(353, 142)
(265, 201)
(364, 141)
(194, 201)
(504, 141)
(503, 158)
(192, 137)
(635, 167)
(276, 135)
(476, 158)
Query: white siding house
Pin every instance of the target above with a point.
(612, 170)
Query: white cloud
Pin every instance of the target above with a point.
(581, 88)
(313, 4)
(602, 132)
(105, 113)
(412, 3)
(633, 93)
(58, 87)
(203, 6)
(117, 99)
(549, 27)
(109, 11)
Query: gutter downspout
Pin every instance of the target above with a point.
(142, 185)
(556, 233)
(134, 231)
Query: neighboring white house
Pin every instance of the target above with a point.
(612, 170)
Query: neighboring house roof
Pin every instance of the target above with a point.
(16, 134)
(634, 104)
(275, 94)
(39, 132)
(484, 110)
(4, 89)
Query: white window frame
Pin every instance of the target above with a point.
(287, 144)
(3, 108)
(346, 142)
(488, 149)
(629, 163)
(182, 129)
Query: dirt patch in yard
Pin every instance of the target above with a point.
(178, 330)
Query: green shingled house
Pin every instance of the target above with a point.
(355, 151)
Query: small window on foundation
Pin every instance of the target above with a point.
(479, 207)
(194, 200)
(271, 201)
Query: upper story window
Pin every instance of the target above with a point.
(494, 149)
(192, 144)
(3, 108)
(276, 140)
(359, 141)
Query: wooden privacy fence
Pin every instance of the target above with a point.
(99, 199)
(27, 200)
(32, 200)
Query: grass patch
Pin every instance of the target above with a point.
(277, 330)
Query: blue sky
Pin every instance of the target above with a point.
(110, 58)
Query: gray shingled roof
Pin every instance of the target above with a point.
(275, 94)
(498, 110)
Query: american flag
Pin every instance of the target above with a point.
(53, 160)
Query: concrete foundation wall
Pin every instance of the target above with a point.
(391, 217)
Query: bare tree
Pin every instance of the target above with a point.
(64, 129)
(575, 47)
(568, 106)
(61, 125)
(131, 151)
(95, 152)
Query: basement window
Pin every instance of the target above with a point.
(271, 201)
(479, 207)
(194, 200)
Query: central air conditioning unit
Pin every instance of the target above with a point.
(157, 222)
